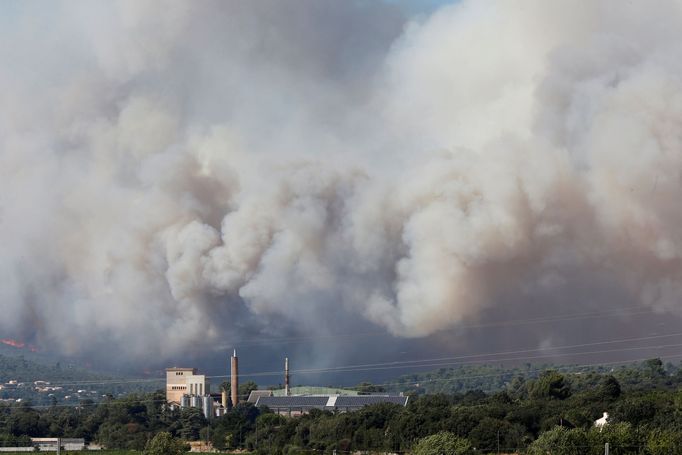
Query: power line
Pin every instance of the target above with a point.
(417, 363)
(537, 369)
(421, 363)
(626, 311)
(456, 378)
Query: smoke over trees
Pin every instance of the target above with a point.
(181, 172)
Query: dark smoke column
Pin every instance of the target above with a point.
(234, 379)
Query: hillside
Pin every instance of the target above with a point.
(59, 383)
(22, 369)
(554, 413)
(494, 378)
(14, 348)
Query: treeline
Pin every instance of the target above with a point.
(553, 413)
(491, 378)
(25, 370)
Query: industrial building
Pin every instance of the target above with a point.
(299, 391)
(302, 404)
(185, 388)
(184, 381)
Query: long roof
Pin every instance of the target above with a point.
(255, 394)
(329, 402)
(366, 400)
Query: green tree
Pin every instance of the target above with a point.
(609, 388)
(192, 420)
(491, 433)
(368, 387)
(551, 384)
(442, 443)
(622, 439)
(664, 442)
(165, 444)
(245, 389)
(560, 441)
(654, 367)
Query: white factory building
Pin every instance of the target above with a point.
(186, 388)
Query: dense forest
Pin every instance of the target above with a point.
(492, 378)
(551, 413)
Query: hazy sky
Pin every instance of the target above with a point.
(338, 181)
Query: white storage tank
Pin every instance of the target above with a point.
(207, 405)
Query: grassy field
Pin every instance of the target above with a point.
(101, 452)
(64, 452)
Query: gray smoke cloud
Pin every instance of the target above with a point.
(180, 173)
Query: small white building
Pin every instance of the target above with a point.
(50, 444)
(599, 423)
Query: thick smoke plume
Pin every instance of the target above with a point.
(177, 173)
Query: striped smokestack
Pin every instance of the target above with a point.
(286, 376)
(234, 379)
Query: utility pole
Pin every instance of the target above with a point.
(59, 446)
(606, 448)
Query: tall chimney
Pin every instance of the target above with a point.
(223, 400)
(234, 379)
(286, 376)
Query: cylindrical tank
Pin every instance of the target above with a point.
(224, 399)
(195, 401)
(184, 401)
(207, 406)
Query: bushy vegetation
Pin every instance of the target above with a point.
(165, 444)
(551, 413)
(495, 378)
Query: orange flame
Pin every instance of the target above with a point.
(18, 344)
(13, 343)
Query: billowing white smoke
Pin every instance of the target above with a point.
(178, 171)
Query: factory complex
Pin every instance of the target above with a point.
(186, 388)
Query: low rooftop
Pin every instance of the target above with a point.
(328, 402)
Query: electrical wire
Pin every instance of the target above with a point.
(451, 379)
(420, 363)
